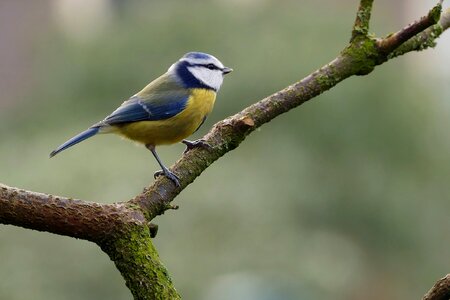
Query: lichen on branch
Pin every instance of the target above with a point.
(425, 39)
(361, 25)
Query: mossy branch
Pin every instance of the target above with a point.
(361, 25)
(425, 39)
(120, 229)
(123, 230)
(360, 57)
(395, 40)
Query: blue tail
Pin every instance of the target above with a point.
(76, 139)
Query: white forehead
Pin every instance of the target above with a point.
(203, 61)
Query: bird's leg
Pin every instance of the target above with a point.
(194, 144)
(164, 170)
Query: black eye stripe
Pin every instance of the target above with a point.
(208, 66)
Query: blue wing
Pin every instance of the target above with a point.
(161, 99)
(136, 109)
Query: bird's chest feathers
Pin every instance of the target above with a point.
(176, 128)
(199, 105)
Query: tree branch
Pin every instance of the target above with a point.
(425, 39)
(359, 58)
(361, 25)
(123, 230)
(440, 290)
(393, 41)
(79, 219)
(119, 229)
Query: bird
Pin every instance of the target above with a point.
(167, 110)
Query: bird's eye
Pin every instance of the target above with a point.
(211, 66)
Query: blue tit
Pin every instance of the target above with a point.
(167, 110)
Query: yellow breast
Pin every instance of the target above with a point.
(176, 128)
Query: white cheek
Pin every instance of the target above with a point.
(211, 78)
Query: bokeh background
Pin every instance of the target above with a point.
(345, 197)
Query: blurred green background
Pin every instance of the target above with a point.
(345, 197)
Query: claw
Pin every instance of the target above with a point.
(194, 144)
(164, 170)
(170, 175)
(158, 173)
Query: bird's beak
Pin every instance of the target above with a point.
(227, 70)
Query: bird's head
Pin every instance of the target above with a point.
(199, 70)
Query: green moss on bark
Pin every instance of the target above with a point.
(138, 261)
(361, 26)
(422, 41)
(364, 55)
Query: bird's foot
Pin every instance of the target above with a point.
(194, 144)
(169, 175)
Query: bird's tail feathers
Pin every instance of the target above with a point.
(76, 139)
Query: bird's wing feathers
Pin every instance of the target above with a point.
(136, 109)
(160, 100)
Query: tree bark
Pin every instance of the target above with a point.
(440, 290)
(123, 230)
